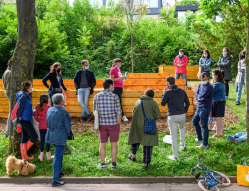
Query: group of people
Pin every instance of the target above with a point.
(55, 123)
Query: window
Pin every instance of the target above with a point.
(100, 2)
(150, 3)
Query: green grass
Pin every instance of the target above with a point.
(85, 158)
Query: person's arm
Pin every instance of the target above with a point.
(118, 109)
(165, 99)
(45, 79)
(200, 63)
(93, 81)
(185, 61)
(157, 112)
(207, 93)
(67, 122)
(197, 94)
(175, 62)
(186, 101)
(22, 102)
(37, 114)
(215, 88)
(227, 62)
(112, 73)
(239, 66)
(219, 62)
(76, 81)
(62, 84)
(119, 118)
(208, 63)
(95, 103)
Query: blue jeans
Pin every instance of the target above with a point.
(184, 76)
(240, 86)
(240, 137)
(51, 95)
(83, 96)
(58, 157)
(202, 115)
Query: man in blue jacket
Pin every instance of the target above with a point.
(204, 97)
(84, 82)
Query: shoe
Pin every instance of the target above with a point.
(49, 157)
(202, 146)
(237, 103)
(29, 144)
(182, 147)
(226, 97)
(23, 149)
(102, 165)
(214, 136)
(221, 136)
(197, 140)
(124, 118)
(57, 183)
(41, 156)
(82, 119)
(214, 128)
(131, 158)
(89, 117)
(114, 165)
(61, 174)
(172, 158)
(230, 138)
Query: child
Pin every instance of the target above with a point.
(238, 138)
(40, 116)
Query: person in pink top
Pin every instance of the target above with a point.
(117, 78)
(181, 62)
(40, 116)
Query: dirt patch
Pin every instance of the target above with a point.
(82, 127)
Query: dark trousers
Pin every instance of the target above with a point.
(28, 130)
(119, 92)
(227, 87)
(43, 133)
(147, 152)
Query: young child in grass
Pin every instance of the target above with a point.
(238, 138)
(40, 116)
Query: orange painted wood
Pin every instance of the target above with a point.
(151, 82)
(149, 75)
(147, 87)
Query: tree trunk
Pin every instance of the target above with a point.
(132, 53)
(247, 81)
(22, 61)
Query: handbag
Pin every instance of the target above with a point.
(36, 126)
(56, 91)
(96, 116)
(243, 174)
(14, 118)
(70, 136)
(149, 124)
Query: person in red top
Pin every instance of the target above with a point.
(40, 116)
(181, 62)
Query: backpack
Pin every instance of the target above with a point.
(14, 118)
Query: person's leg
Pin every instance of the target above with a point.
(86, 98)
(24, 136)
(134, 148)
(217, 123)
(114, 151)
(184, 76)
(221, 126)
(28, 126)
(241, 138)
(42, 139)
(177, 76)
(51, 95)
(57, 165)
(204, 113)
(227, 87)
(118, 92)
(173, 132)
(195, 121)
(102, 152)
(240, 87)
(147, 154)
(182, 121)
(81, 101)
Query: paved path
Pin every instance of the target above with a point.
(113, 187)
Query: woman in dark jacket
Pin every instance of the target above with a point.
(24, 118)
(55, 77)
(224, 64)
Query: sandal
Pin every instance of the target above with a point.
(214, 136)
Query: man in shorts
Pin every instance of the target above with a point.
(110, 113)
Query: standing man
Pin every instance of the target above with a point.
(6, 85)
(204, 97)
(117, 78)
(178, 105)
(109, 109)
(84, 82)
(181, 62)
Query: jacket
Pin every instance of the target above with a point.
(59, 125)
(136, 134)
(177, 100)
(219, 92)
(241, 72)
(224, 64)
(52, 77)
(205, 64)
(6, 81)
(25, 110)
(90, 80)
(40, 116)
(184, 62)
(206, 92)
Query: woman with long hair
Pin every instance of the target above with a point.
(205, 62)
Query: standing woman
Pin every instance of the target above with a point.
(218, 101)
(240, 80)
(55, 77)
(24, 120)
(224, 64)
(148, 107)
(205, 62)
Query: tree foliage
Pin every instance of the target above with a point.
(187, 2)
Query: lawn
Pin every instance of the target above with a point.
(84, 159)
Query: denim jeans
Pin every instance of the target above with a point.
(83, 96)
(184, 76)
(240, 86)
(8, 121)
(240, 137)
(58, 158)
(202, 115)
(51, 95)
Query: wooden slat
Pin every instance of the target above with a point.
(147, 87)
(148, 75)
(151, 82)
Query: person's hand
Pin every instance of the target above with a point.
(178, 65)
(165, 89)
(19, 125)
(89, 88)
(123, 77)
(68, 89)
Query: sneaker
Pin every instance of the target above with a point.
(114, 165)
(172, 158)
(102, 165)
(182, 147)
(237, 103)
(197, 140)
(214, 128)
(82, 119)
(89, 117)
(202, 146)
(124, 118)
(61, 174)
(131, 158)
(230, 138)
(57, 183)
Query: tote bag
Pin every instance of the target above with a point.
(243, 175)
(149, 124)
(96, 116)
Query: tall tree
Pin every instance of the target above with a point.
(213, 8)
(22, 61)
